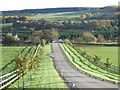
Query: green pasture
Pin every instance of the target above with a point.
(60, 16)
(5, 25)
(73, 13)
(43, 16)
(45, 76)
(85, 66)
(104, 52)
(9, 53)
(54, 17)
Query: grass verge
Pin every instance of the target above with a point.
(84, 65)
(44, 76)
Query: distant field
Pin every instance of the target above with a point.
(5, 25)
(104, 52)
(74, 13)
(60, 16)
(44, 76)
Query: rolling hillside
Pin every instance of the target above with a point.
(30, 12)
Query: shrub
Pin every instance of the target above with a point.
(96, 59)
(107, 63)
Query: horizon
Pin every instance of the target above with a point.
(36, 4)
(59, 7)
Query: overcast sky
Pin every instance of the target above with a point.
(37, 4)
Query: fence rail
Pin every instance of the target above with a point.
(11, 77)
(37, 50)
(8, 78)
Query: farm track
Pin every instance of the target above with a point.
(79, 79)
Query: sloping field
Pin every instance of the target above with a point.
(44, 76)
(104, 52)
(5, 25)
(60, 16)
(8, 54)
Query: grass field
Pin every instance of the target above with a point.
(60, 16)
(5, 25)
(85, 66)
(44, 76)
(104, 52)
(54, 17)
(8, 54)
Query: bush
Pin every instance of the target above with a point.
(107, 63)
(96, 59)
(9, 40)
(68, 42)
(43, 42)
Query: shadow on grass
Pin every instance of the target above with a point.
(84, 63)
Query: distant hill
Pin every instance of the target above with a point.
(48, 10)
(110, 8)
(30, 12)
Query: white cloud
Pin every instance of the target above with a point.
(33, 4)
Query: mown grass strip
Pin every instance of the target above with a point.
(87, 67)
(87, 62)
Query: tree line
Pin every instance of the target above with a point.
(12, 19)
(73, 30)
(35, 37)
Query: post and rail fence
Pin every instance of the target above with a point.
(9, 78)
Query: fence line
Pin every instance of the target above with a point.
(37, 50)
(9, 78)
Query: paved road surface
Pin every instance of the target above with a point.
(79, 79)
